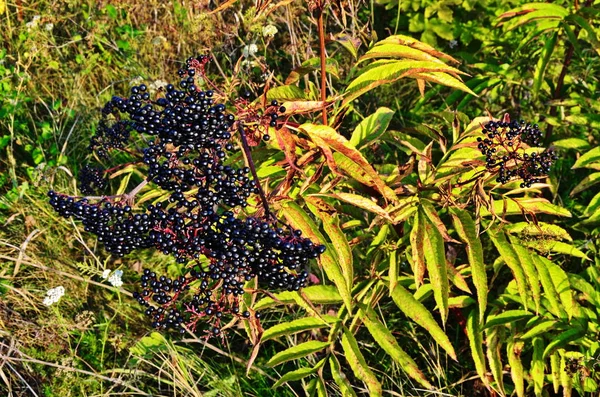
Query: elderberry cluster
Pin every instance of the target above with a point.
(504, 144)
(180, 142)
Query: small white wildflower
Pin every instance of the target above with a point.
(115, 278)
(269, 31)
(249, 50)
(53, 295)
(105, 273)
(36, 18)
(453, 43)
(49, 27)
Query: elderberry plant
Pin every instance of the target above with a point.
(180, 142)
(504, 144)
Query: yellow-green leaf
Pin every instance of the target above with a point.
(588, 158)
(493, 338)
(371, 127)
(435, 258)
(317, 294)
(506, 317)
(416, 246)
(358, 364)
(530, 271)
(415, 310)
(299, 325)
(298, 374)
(386, 340)
(475, 336)
(297, 351)
(537, 366)
(564, 338)
(466, 229)
(513, 353)
(340, 378)
(550, 292)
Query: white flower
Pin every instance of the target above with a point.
(249, 50)
(33, 23)
(36, 18)
(53, 295)
(269, 31)
(453, 43)
(115, 278)
(105, 273)
(49, 27)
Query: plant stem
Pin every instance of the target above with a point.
(248, 155)
(323, 61)
(563, 73)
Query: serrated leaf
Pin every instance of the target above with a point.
(493, 355)
(571, 143)
(298, 219)
(593, 206)
(511, 259)
(475, 336)
(311, 65)
(588, 158)
(564, 338)
(415, 310)
(435, 258)
(299, 325)
(547, 246)
(586, 183)
(325, 136)
(539, 329)
(444, 79)
(555, 370)
(530, 271)
(317, 294)
(506, 317)
(361, 202)
(286, 93)
(540, 69)
(297, 351)
(561, 284)
(298, 374)
(340, 378)
(537, 366)
(416, 246)
(393, 50)
(516, 366)
(388, 343)
(358, 364)
(520, 205)
(380, 73)
(371, 127)
(467, 231)
(549, 288)
(566, 378)
(540, 229)
(419, 45)
(393, 269)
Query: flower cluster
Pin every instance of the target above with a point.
(181, 141)
(505, 145)
(53, 295)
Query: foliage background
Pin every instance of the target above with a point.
(61, 60)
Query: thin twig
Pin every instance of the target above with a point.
(323, 61)
(248, 155)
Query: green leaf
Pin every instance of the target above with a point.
(297, 351)
(588, 158)
(317, 294)
(593, 206)
(327, 137)
(555, 368)
(311, 65)
(416, 246)
(516, 366)
(549, 288)
(511, 259)
(295, 326)
(509, 316)
(539, 329)
(530, 271)
(539, 229)
(286, 93)
(475, 336)
(586, 183)
(298, 374)
(393, 50)
(493, 338)
(466, 229)
(571, 143)
(361, 202)
(546, 246)
(393, 269)
(386, 340)
(298, 219)
(573, 334)
(435, 258)
(415, 310)
(358, 364)
(371, 127)
(521, 205)
(540, 69)
(537, 366)
(561, 284)
(340, 378)
(380, 73)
